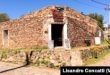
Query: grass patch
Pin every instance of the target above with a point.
(104, 42)
(101, 56)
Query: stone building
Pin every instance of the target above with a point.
(52, 26)
(106, 32)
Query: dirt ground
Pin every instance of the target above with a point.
(13, 69)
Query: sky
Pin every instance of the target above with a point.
(16, 8)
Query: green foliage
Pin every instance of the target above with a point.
(4, 53)
(43, 62)
(51, 65)
(93, 51)
(104, 42)
(98, 18)
(39, 47)
(4, 17)
(100, 57)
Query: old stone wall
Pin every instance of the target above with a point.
(78, 32)
(26, 31)
(80, 28)
(53, 58)
(32, 29)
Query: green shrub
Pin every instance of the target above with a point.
(39, 47)
(51, 65)
(104, 42)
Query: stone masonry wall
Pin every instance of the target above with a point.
(26, 31)
(80, 28)
(30, 30)
(81, 33)
(53, 58)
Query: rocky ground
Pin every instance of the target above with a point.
(14, 69)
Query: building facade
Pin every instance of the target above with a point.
(53, 26)
(106, 32)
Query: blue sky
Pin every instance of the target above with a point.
(17, 8)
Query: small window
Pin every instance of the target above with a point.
(60, 9)
(87, 42)
(5, 38)
(108, 35)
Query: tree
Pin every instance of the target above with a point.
(98, 18)
(4, 17)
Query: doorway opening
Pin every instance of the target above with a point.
(57, 34)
